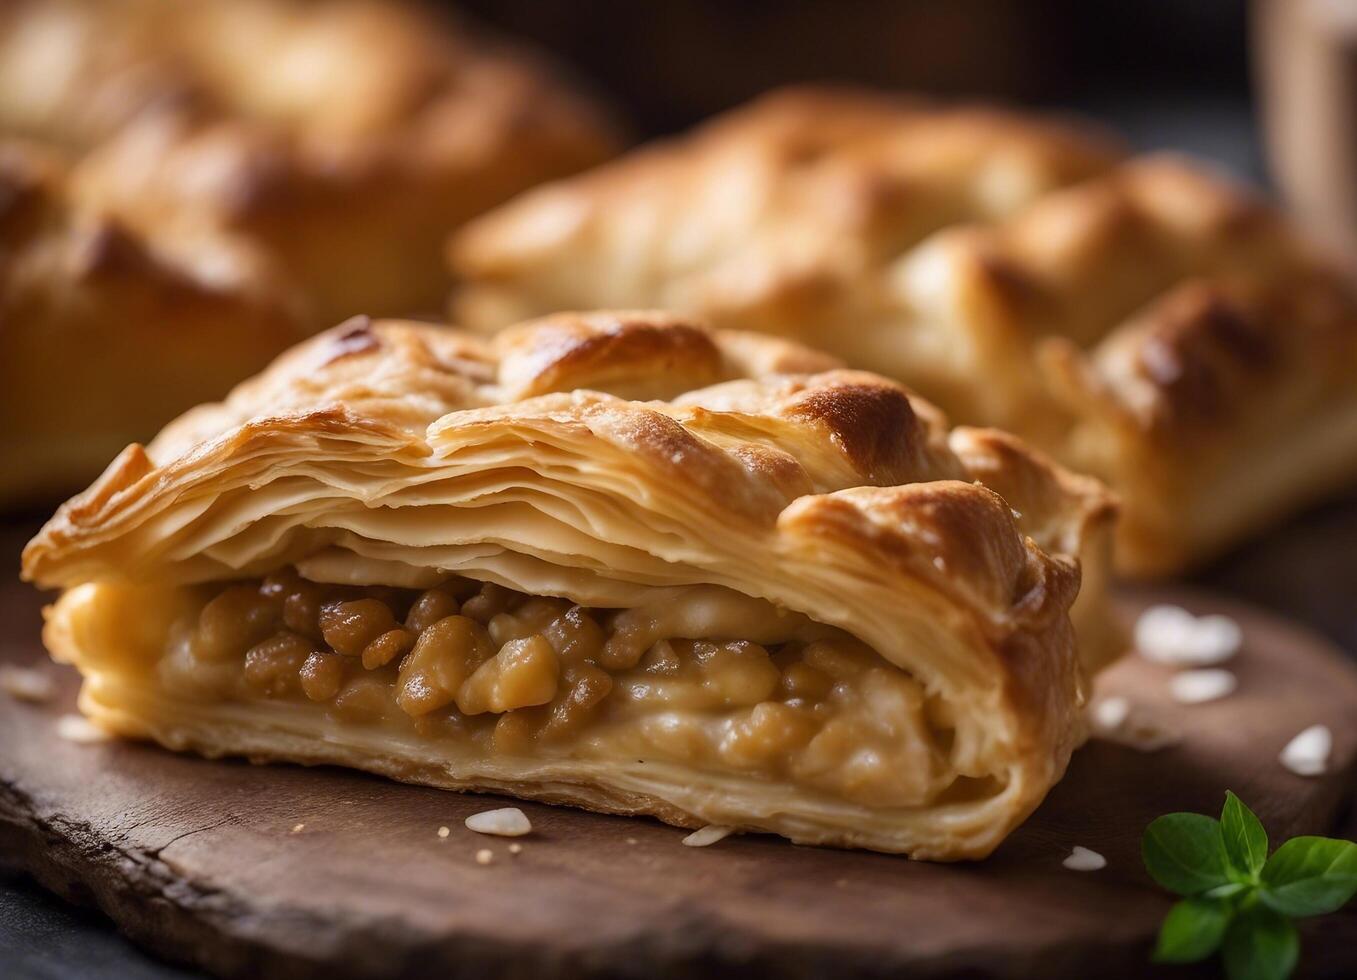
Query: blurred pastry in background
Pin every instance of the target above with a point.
(1148, 322)
(106, 331)
(347, 137)
(774, 215)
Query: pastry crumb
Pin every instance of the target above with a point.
(1146, 735)
(515, 848)
(1171, 635)
(298, 828)
(443, 832)
(1308, 753)
(27, 683)
(485, 856)
(507, 821)
(1200, 686)
(708, 835)
(1115, 719)
(632, 840)
(1083, 859)
(1111, 713)
(79, 729)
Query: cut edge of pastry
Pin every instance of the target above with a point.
(755, 492)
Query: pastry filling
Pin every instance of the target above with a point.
(699, 676)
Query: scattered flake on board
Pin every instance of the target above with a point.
(515, 848)
(1116, 719)
(507, 821)
(1308, 753)
(1200, 686)
(27, 683)
(298, 828)
(1146, 735)
(708, 835)
(443, 832)
(485, 856)
(1109, 714)
(1172, 635)
(1082, 859)
(78, 728)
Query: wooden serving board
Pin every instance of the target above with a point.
(199, 861)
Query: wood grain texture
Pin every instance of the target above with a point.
(198, 860)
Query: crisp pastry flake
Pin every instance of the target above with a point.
(615, 560)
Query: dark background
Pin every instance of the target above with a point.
(1165, 73)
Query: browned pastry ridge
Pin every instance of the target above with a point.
(615, 560)
(347, 137)
(106, 332)
(1146, 321)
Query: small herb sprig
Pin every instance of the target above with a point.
(1237, 899)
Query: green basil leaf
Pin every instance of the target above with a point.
(1260, 945)
(1310, 876)
(1192, 931)
(1184, 852)
(1245, 838)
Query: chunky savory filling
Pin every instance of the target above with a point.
(758, 691)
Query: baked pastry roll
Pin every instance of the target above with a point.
(1146, 321)
(776, 216)
(612, 560)
(348, 137)
(106, 332)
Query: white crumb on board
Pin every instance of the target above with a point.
(1308, 753)
(1082, 859)
(507, 821)
(708, 835)
(79, 729)
(1171, 635)
(27, 683)
(1200, 686)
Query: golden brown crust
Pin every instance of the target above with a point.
(405, 382)
(1184, 345)
(346, 137)
(771, 213)
(834, 494)
(1066, 513)
(1149, 322)
(89, 307)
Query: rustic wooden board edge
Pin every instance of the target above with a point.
(222, 933)
(211, 930)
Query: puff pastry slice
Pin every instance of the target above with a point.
(613, 560)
